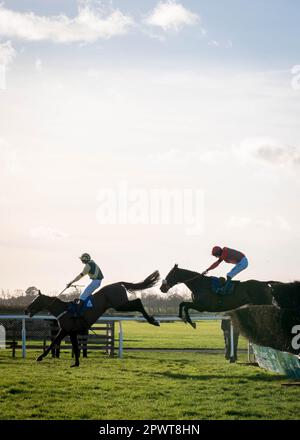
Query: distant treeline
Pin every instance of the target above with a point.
(153, 302)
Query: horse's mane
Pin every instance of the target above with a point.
(190, 271)
(56, 298)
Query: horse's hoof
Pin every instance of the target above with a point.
(40, 358)
(75, 365)
(154, 322)
(193, 324)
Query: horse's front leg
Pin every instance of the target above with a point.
(187, 318)
(182, 307)
(180, 310)
(57, 340)
(74, 341)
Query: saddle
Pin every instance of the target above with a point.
(77, 310)
(217, 285)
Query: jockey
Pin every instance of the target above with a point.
(94, 272)
(229, 256)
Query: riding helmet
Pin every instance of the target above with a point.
(216, 251)
(85, 258)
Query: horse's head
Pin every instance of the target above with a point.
(170, 280)
(36, 305)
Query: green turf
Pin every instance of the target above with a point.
(145, 385)
(208, 334)
(142, 386)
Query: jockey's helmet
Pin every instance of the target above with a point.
(85, 258)
(216, 251)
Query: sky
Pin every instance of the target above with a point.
(145, 133)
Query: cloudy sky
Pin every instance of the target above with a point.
(155, 97)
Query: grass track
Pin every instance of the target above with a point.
(208, 334)
(143, 385)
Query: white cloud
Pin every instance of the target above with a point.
(7, 53)
(88, 26)
(171, 16)
(47, 233)
(214, 43)
(270, 151)
(221, 44)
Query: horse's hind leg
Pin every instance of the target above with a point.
(57, 340)
(74, 341)
(136, 305)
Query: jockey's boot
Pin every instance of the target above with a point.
(80, 308)
(226, 288)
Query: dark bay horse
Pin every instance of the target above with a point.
(111, 296)
(205, 300)
(272, 325)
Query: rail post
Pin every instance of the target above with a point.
(120, 340)
(23, 338)
(231, 341)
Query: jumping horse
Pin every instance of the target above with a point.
(204, 299)
(111, 296)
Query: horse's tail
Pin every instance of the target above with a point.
(148, 282)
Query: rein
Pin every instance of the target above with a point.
(57, 297)
(53, 301)
(193, 278)
(186, 281)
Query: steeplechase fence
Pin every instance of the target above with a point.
(37, 332)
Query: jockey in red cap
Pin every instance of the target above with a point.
(229, 256)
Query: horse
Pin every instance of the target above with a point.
(272, 326)
(206, 300)
(287, 295)
(111, 296)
